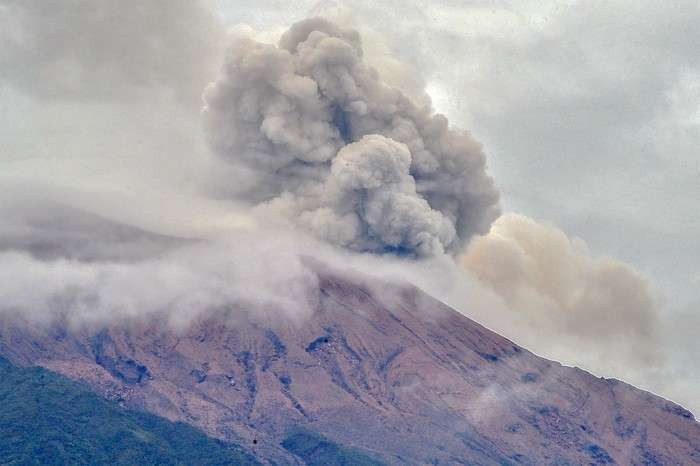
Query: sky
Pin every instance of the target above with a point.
(585, 115)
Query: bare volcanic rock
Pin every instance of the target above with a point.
(377, 367)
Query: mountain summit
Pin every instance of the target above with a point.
(380, 368)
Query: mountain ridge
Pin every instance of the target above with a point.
(377, 366)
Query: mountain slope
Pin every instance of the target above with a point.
(316, 450)
(378, 367)
(48, 419)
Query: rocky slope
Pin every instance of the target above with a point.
(378, 367)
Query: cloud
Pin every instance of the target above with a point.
(179, 283)
(588, 109)
(79, 49)
(62, 264)
(306, 118)
(681, 337)
(596, 312)
(103, 104)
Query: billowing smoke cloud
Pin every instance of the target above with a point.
(593, 311)
(327, 145)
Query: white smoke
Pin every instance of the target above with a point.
(326, 144)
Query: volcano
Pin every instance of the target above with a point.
(381, 368)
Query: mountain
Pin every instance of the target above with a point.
(378, 370)
(51, 230)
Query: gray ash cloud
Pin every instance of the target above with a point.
(326, 144)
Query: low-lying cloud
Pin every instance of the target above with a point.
(248, 271)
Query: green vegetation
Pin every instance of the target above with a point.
(47, 419)
(317, 450)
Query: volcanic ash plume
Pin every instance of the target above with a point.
(324, 143)
(561, 293)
